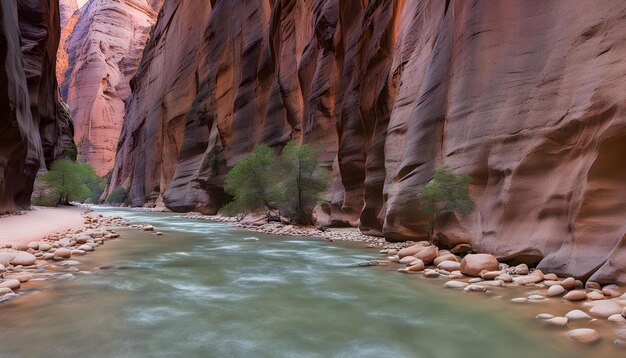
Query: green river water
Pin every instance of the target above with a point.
(211, 290)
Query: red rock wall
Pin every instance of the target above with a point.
(102, 47)
(526, 96)
(35, 129)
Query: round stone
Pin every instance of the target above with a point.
(556, 290)
(584, 335)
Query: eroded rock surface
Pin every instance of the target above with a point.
(104, 46)
(527, 97)
(35, 128)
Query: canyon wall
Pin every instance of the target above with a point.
(35, 128)
(528, 97)
(101, 48)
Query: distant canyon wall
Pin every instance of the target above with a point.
(35, 128)
(528, 97)
(102, 44)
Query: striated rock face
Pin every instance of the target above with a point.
(104, 46)
(528, 97)
(35, 129)
(67, 8)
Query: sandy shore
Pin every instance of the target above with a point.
(35, 224)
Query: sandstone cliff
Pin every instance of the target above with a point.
(528, 97)
(35, 128)
(104, 44)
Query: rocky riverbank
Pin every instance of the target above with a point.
(588, 304)
(53, 256)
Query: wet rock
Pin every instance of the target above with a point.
(556, 290)
(578, 315)
(595, 296)
(551, 277)
(544, 316)
(557, 321)
(505, 277)
(33, 245)
(44, 246)
(605, 309)
(449, 266)
(519, 300)
(446, 257)
(461, 249)
(521, 269)
(431, 274)
(148, 228)
(490, 275)
(474, 264)
(5, 290)
(455, 284)
(476, 288)
(63, 253)
(428, 254)
(536, 298)
(78, 252)
(611, 291)
(528, 280)
(590, 285)
(86, 247)
(577, 295)
(11, 283)
(617, 318)
(584, 335)
(24, 259)
(394, 258)
(407, 259)
(415, 266)
(569, 283)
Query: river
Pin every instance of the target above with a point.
(211, 290)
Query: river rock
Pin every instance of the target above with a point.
(33, 245)
(474, 264)
(446, 257)
(590, 285)
(429, 273)
(394, 258)
(476, 288)
(428, 254)
(576, 295)
(519, 300)
(63, 253)
(11, 283)
(20, 247)
(449, 266)
(461, 249)
(505, 277)
(416, 266)
(490, 275)
(578, 315)
(536, 297)
(595, 296)
(455, 284)
(5, 290)
(544, 316)
(605, 309)
(44, 246)
(617, 318)
(455, 275)
(556, 290)
(2, 268)
(584, 335)
(148, 228)
(407, 259)
(78, 252)
(611, 291)
(6, 257)
(557, 321)
(24, 258)
(569, 283)
(410, 251)
(550, 277)
(528, 280)
(521, 269)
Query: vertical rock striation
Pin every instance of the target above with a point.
(35, 129)
(528, 97)
(104, 44)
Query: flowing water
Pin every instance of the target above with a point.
(210, 290)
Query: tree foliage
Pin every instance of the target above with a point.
(302, 182)
(67, 181)
(289, 183)
(254, 182)
(447, 191)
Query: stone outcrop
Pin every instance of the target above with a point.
(35, 129)
(104, 44)
(527, 97)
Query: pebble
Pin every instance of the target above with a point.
(556, 290)
(476, 288)
(490, 275)
(11, 283)
(431, 273)
(407, 259)
(544, 316)
(590, 285)
(85, 247)
(63, 253)
(595, 295)
(557, 321)
(527, 280)
(148, 228)
(536, 297)
(578, 315)
(446, 257)
(577, 295)
(505, 277)
(521, 269)
(584, 335)
(617, 318)
(24, 259)
(605, 309)
(449, 265)
(568, 283)
(455, 284)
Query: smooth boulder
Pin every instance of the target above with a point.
(584, 335)
(474, 264)
(605, 309)
(24, 258)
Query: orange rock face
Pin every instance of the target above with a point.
(526, 97)
(104, 47)
(35, 129)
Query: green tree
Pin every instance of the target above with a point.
(302, 182)
(254, 183)
(71, 181)
(447, 191)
